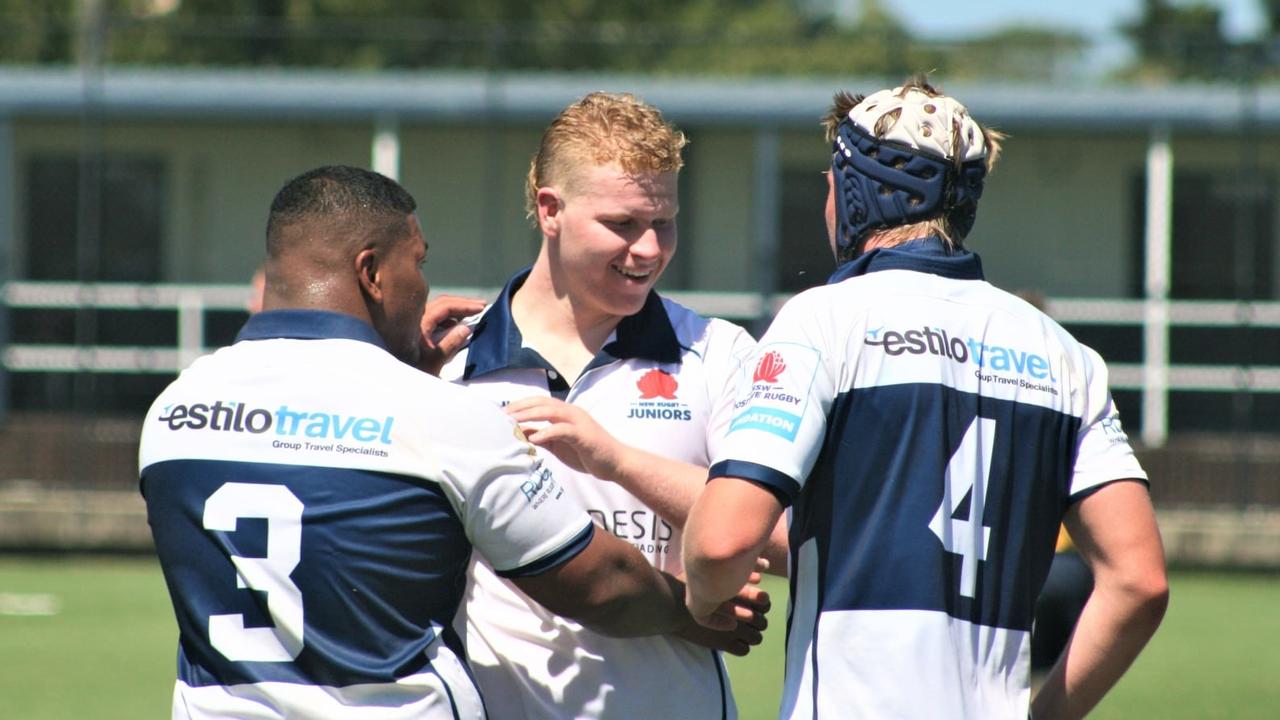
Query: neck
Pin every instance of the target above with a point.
(906, 233)
(563, 331)
(314, 291)
(543, 308)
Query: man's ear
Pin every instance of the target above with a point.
(550, 211)
(369, 274)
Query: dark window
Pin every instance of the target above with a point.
(127, 245)
(1222, 249)
(1223, 233)
(121, 241)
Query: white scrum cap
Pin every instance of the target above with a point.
(936, 124)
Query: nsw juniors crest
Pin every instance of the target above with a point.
(658, 399)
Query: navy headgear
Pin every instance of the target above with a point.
(904, 156)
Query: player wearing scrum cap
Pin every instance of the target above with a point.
(928, 432)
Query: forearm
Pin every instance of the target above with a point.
(1113, 628)
(728, 529)
(670, 488)
(652, 606)
(611, 589)
(712, 580)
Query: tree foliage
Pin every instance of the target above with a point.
(723, 37)
(1178, 41)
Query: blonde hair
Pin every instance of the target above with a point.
(603, 129)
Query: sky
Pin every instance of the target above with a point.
(1242, 18)
(1096, 19)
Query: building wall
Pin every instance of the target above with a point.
(1058, 213)
(469, 183)
(716, 234)
(220, 178)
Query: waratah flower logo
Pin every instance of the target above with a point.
(769, 368)
(657, 383)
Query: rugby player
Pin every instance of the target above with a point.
(928, 433)
(315, 498)
(629, 390)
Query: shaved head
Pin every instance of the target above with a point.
(346, 240)
(328, 212)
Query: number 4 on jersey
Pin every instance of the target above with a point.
(967, 478)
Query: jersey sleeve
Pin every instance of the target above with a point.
(1104, 454)
(513, 509)
(726, 361)
(779, 414)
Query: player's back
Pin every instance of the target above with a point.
(951, 414)
(300, 500)
(959, 417)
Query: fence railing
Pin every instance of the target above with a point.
(1155, 377)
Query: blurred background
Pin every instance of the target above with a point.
(141, 142)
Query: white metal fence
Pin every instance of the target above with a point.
(1154, 378)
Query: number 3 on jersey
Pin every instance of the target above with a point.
(283, 513)
(967, 478)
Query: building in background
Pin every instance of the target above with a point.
(181, 160)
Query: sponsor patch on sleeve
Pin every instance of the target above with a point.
(778, 392)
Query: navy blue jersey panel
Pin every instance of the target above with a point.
(875, 503)
(370, 595)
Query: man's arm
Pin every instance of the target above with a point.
(610, 588)
(1115, 531)
(728, 527)
(668, 486)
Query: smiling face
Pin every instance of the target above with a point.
(610, 234)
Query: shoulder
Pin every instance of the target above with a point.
(369, 374)
(442, 403)
(1082, 364)
(708, 338)
(691, 326)
(820, 308)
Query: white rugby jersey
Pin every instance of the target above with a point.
(314, 504)
(663, 382)
(928, 431)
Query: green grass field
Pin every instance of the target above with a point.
(94, 638)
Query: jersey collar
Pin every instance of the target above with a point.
(308, 325)
(496, 342)
(928, 255)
